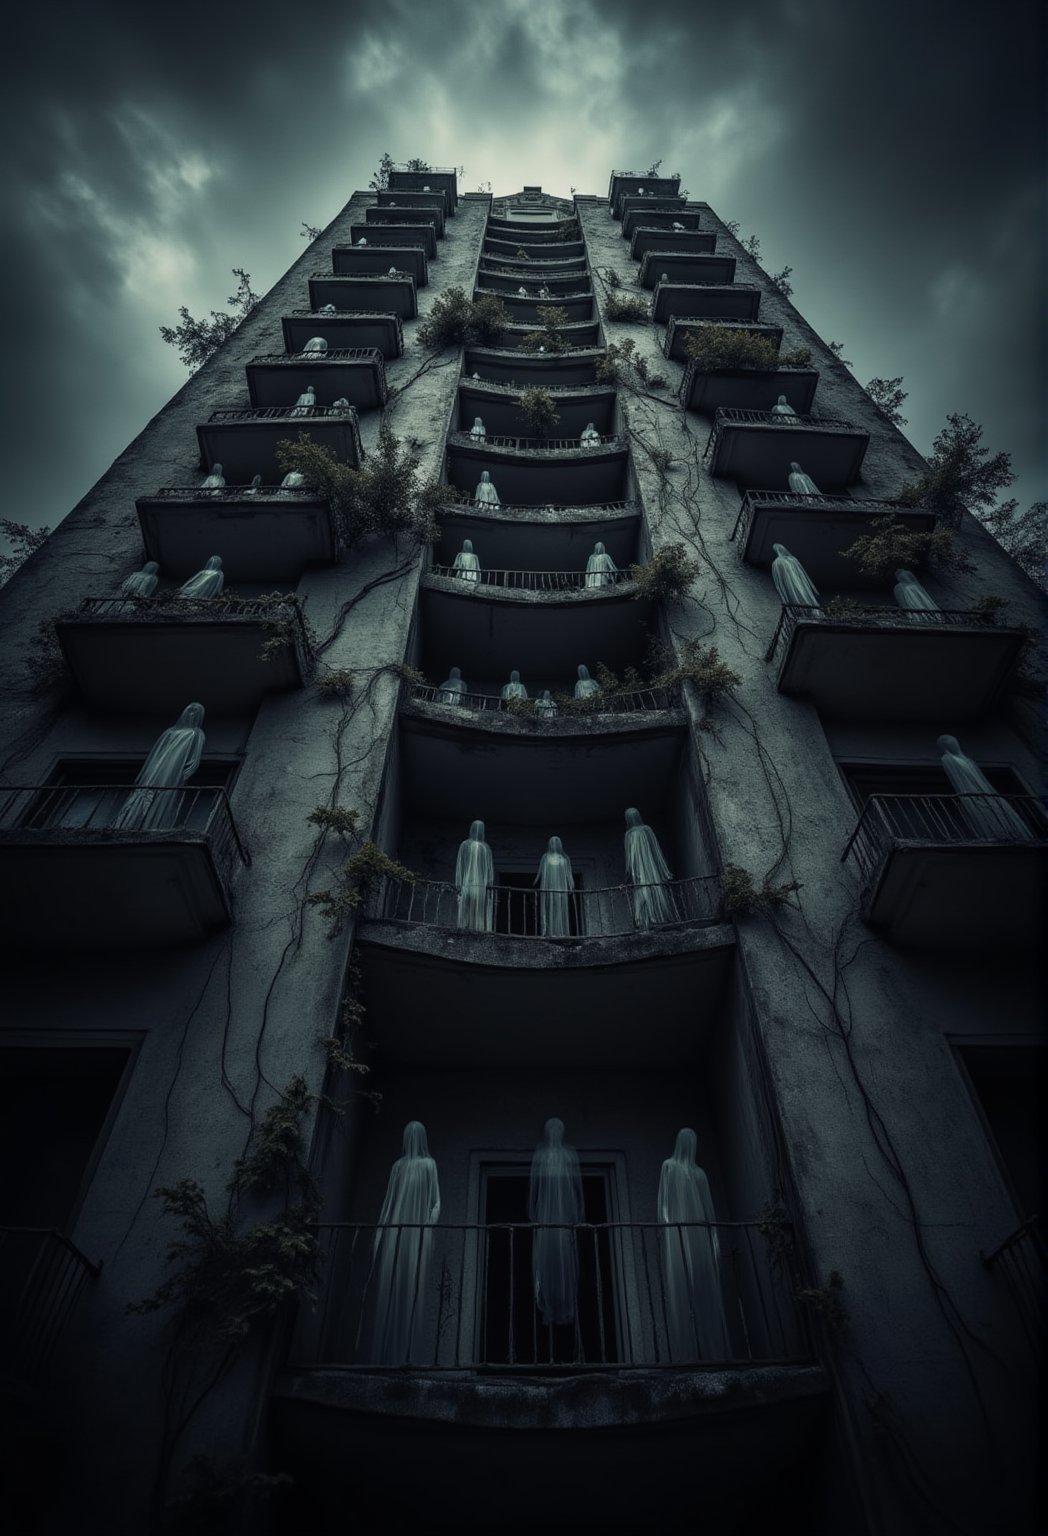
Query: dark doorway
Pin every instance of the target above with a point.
(1010, 1083)
(517, 905)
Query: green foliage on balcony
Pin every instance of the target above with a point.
(548, 338)
(618, 307)
(459, 321)
(539, 410)
(386, 496)
(667, 576)
(728, 346)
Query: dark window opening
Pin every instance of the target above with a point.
(866, 779)
(517, 909)
(1009, 1083)
(64, 803)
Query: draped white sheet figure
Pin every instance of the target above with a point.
(141, 583)
(402, 1255)
(800, 482)
(215, 481)
(695, 1323)
(911, 596)
(545, 705)
(590, 437)
(987, 812)
(452, 688)
(556, 883)
(294, 480)
(306, 402)
(478, 431)
(475, 882)
(467, 564)
(206, 583)
(601, 569)
(782, 407)
(647, 872)
(586, 687)
(555, 1197)
(486, 492)
(255, 486)
(173, 758)
(316, 344)
(514, 689)
(792, 582)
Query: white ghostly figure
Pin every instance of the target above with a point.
(556, 884)
(514, 689)
(664, 277)
(803, 484)
(476, 376)
(402, 1253)
(341, 405)
(392, 272)
(544, 292)
(306, 402)
(522, 293)
(215, 481)
(316, 344)
(362, 240)
(452, 688)
(792, 582)
(909, 594)
(640, 191)
(328, 309)
(486, 492)
(695, 1324)
(206, 583)
(586, 687)
(142, 583)
(255, 486)
(590, 437)
(545, 705)
(427, 189)
(647, 872)
(467, 564)
(173, 758)
(475, 882)
(555, 1205)
(782, 407)
(601, 569)
(987, 813)
(293, 481)
(478, 431)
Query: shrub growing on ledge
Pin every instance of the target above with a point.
(622, 361)
(337, 818)
(548, 338)
(539, 410)
(355, 882)
(384, 497)
(702, 667)
(744, 899)
(456, 320)
(961, 475)
(335, 683)
(723, 346)
(666, 576)
(891, 544)
(619, 307)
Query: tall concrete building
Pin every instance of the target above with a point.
(782, 913)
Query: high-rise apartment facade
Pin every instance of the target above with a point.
(809, 941)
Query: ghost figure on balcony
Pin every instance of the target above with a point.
(467, 564)
(215, 481)
(306, 402)
(647, 873)
(362, 240)
(427, 188)
(792, 582)
(293, 481)
(392, 272)
(801, 483)
(782, 407)
(341, 405)
(316, 345)
(452, 688)
(514, 689)
(255, 486)
(678, 226)
(142, 583)
(475, 882)
(173, 758)
(590, 437)
(486, 493)
(910, 595)
(546, 705)
(555, 1205)
(402, 1254)
(586, 687)
(601, 569)
(478, 431)
(476, 376)
(206, 583)
(328, 309)
(556, 884)
(522, 292)
(695, 1324)
(987, 813)
(544, 292)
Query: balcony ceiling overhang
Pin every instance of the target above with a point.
(500, 411)
(363, 329)
(758, 455)
(680, 327)
(577, 475)
(752, 389)
(360, 380)
(578, 333)
(262, 538)
(446, 181)
(818, 532)
(403, 197)
(638, 215)
(366, 292)
(646, 240)
(399, 214)
(686, 268)
(554, 250)
(520, 539)
(509, 366)
(387, 232)
(376, 258)
(521, 310)
(509, 282)
(972, 896)
(715, 300)
(248, 447)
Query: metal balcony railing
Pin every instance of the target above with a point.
(871, 616)
(756, 499)
(629, 702)
(534, 581)
(238, 493)
(594, 349)
(460, 1296)
(286, 610)
(534, 298)
(286, 413)
(96, 812)
(360, 277)
(493, 386)
(333, 355)
(535, 444)
(1022, 1263)
(735, 416)
(41, 1276)
(890, 820)
(590, 509)
(528, 914)
(425, 170)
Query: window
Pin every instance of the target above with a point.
(1008, 1082)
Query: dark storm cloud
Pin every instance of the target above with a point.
(888, 153)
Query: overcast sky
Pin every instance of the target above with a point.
(890, 153)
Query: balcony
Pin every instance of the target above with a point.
(498, 406)
(245, 442)
(400, 214)
(265, 535)
(356, 374)
(377, 257)
(704, 301)
(526, 235)
(637, 184)
(544, 470)
(542, 538)
(756, 448)
(345, 329)
(558, 283)
(445, 180)
(402, 198)
(379, 294)
(577, 306)
(392, 232)
(817, 529)
(501, 365)
(679, 328)
(553, 250)
(646, 241)
(74, 878)
(525, 271)
(886, 663)
(637, 214)
(1021, 1263)
(952, 871)
(686, 267)
(149, 655)
(42, 1275)
(577, 336)
(758, 389)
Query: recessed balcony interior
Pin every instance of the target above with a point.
(372, 293)
(576, 306)
(756, 449)
(355, 374)
(498, 406)
(245, 442)
(641, 207)
(685, 268)
(416, 181)
(264, 536)
(401, 197)
(525, 234)
(377, 257)
(135, 658)
(575, 335)
(818, 529)
(706, 301)
(399, 214)
(351, 328)
(679, 328)
(557, 283)
(554, 250)
(525, 270)
(637, 215)
(646, 241)
(390, 232)
(755, 389)
(543, 472)
(504, 366)
(636, 184)
(539, 538)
